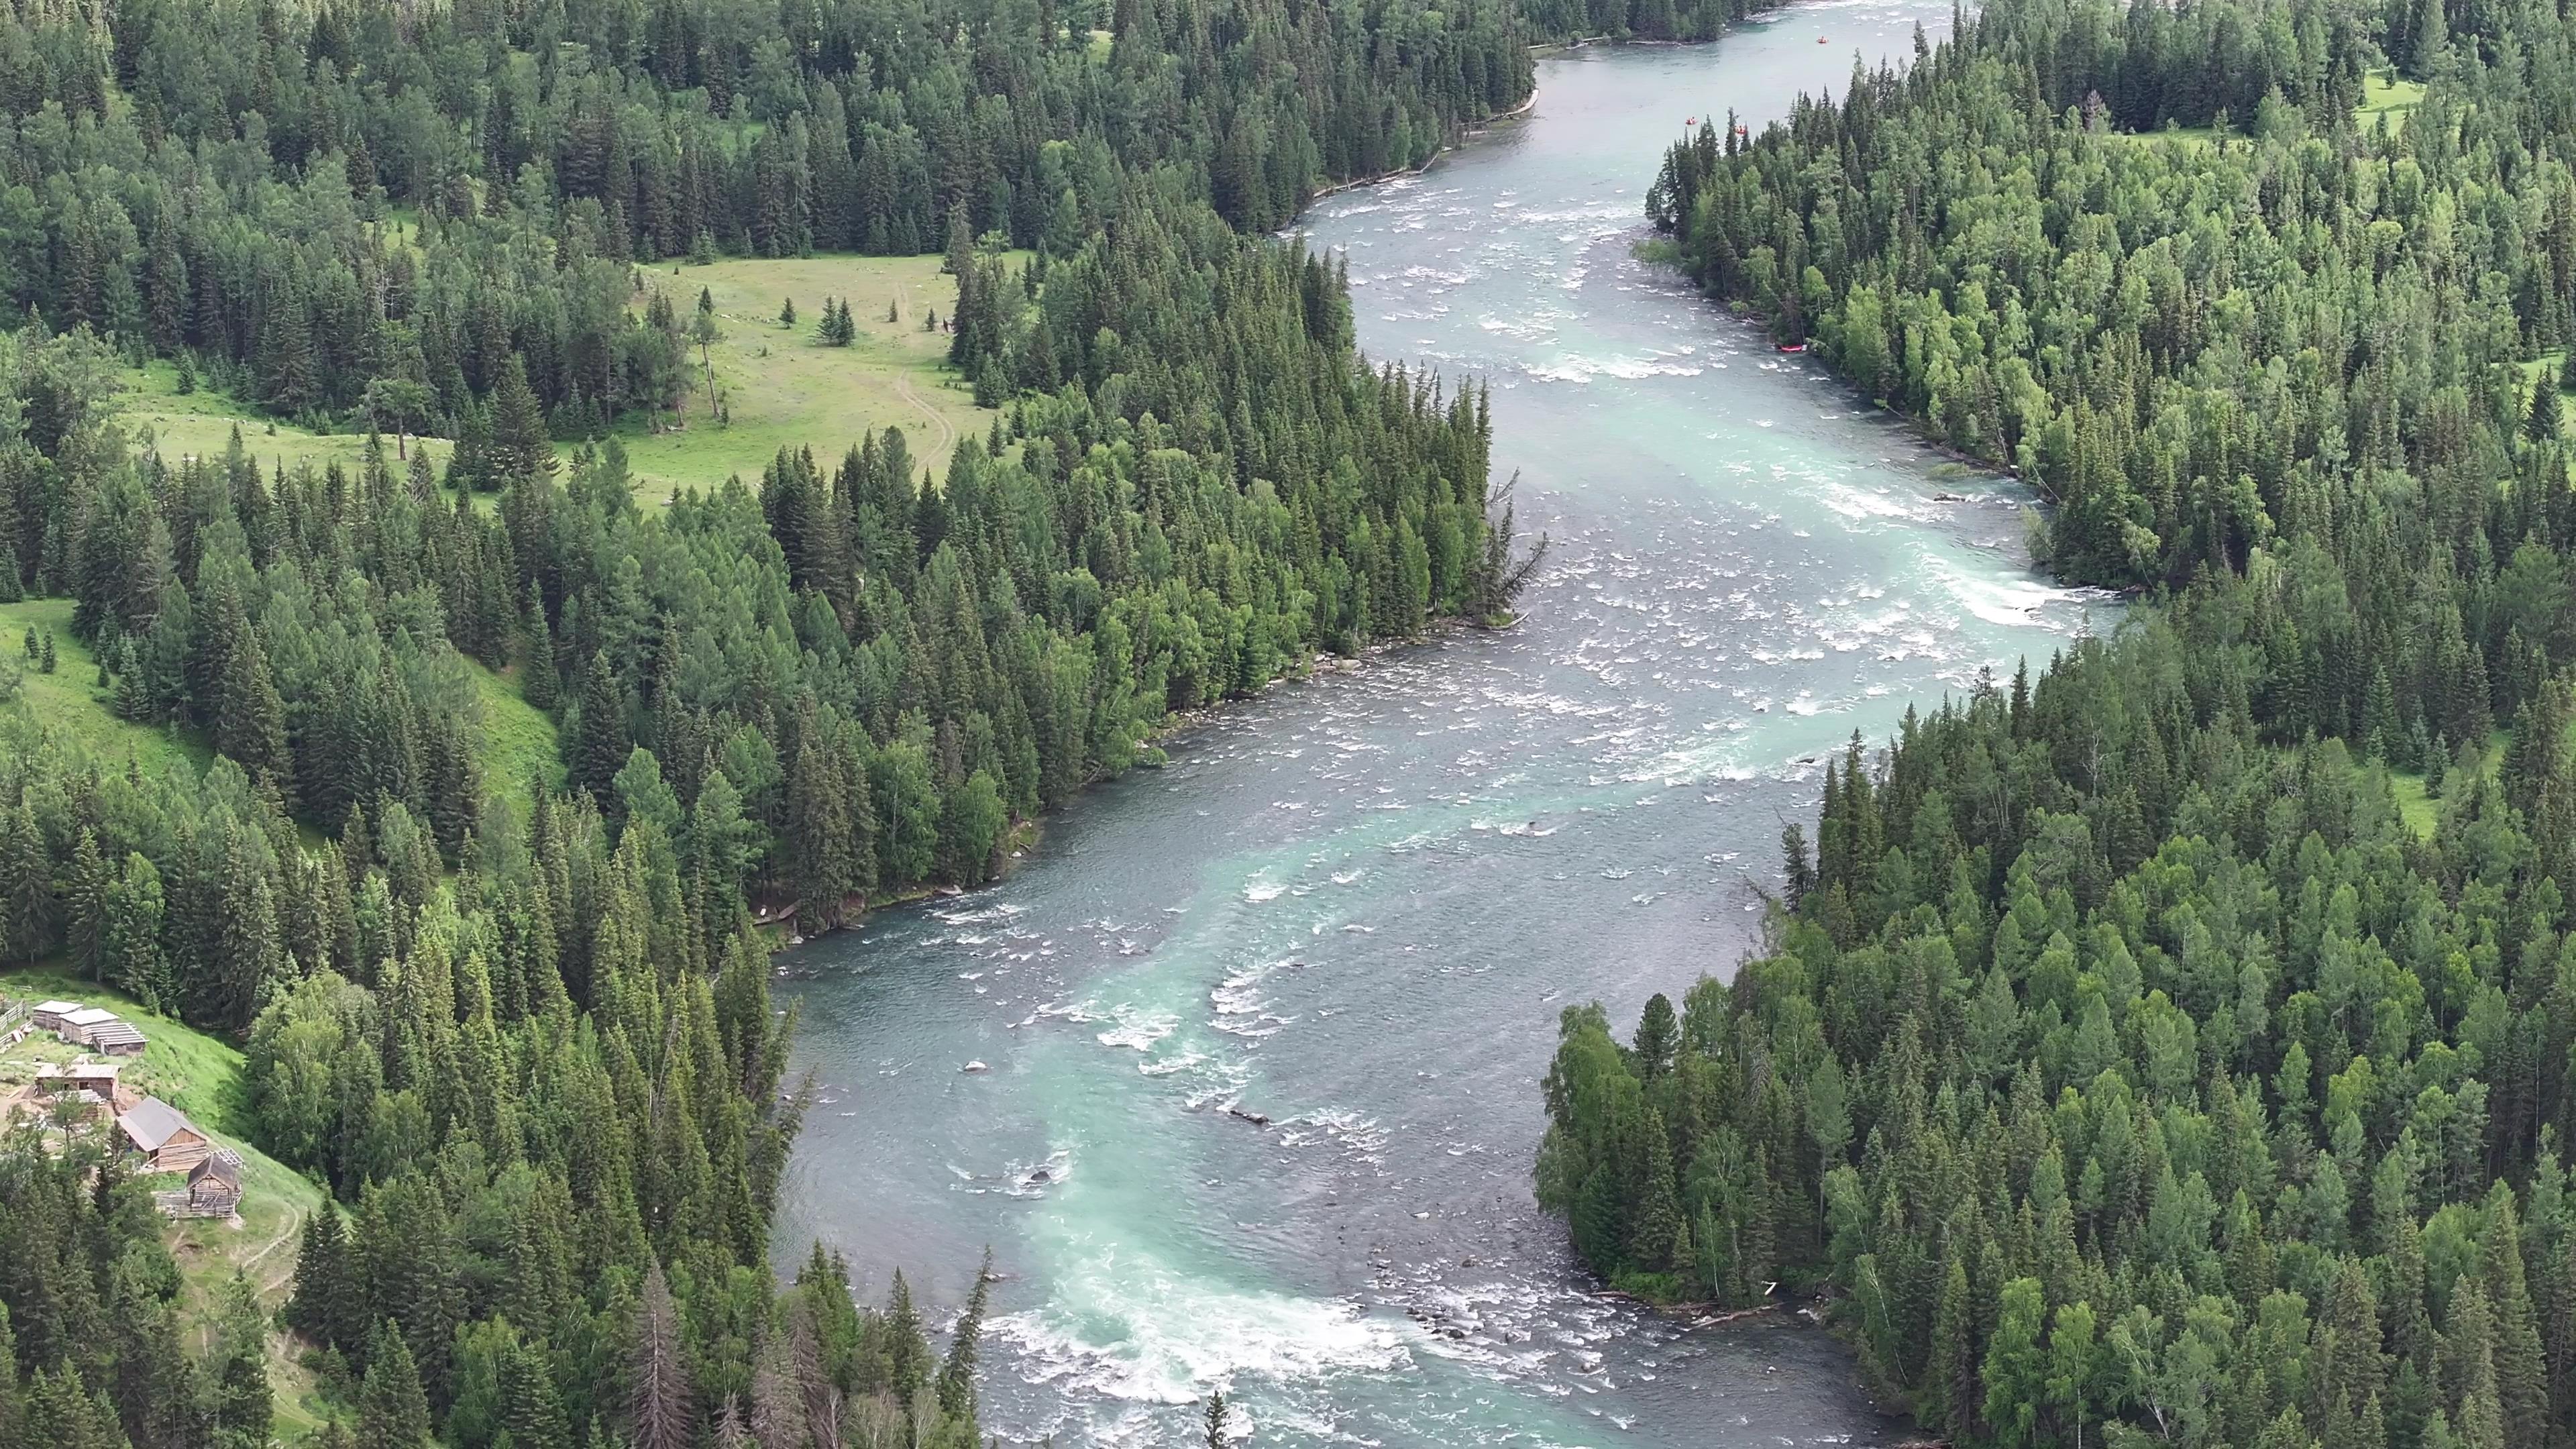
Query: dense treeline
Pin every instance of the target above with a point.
(2124, 1063)
(1636, 19)
(369, 210)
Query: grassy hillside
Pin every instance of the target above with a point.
(68, 700)
(782, 388)
(785, 389)
(518, 741)
(201, 423)
(2416, 800)
(201, 1076)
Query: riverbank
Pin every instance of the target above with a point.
(1360, 182)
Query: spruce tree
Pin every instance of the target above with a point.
(601, 741)
(392, 1410)
(250, 723)
(244, 1408)
(539, 684)
(85, 907)
(520, 444)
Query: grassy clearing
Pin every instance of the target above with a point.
(2421, 809)
(518, 739)
(2383, 94)
(2416, 805)
(784, 389)
(203, 1077)
(70, 702)
(200, 424)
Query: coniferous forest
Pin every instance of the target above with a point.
(520, 1028)
(2126, 1063)
(2138, 1052)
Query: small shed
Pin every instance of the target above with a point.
(117, 1038)
(75, 1025)
(168, 1141)
(97, 1078)
(214, 1185)
(50, 1014)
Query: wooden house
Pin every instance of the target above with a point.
(215, 1185)
(49, 1014)
(168, 1141)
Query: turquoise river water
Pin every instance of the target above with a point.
(1353, 907)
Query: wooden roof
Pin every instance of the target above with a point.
(152, 1122)
(223, 1164)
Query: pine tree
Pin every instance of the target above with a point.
(1950, 1377)
(534, 1415)
(819, 832)
(957, 1374)
(787, 312)
(1218, 1413)
(26, 886)
(2540, 424)
(706, 334)
(2521, 1370)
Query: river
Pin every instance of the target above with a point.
(1353, 907)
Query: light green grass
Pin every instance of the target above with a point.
(2416, 803)
(518, 739)
(69, 702)
(202, 1076)
(2421, 812)
(200, 425)
(785, 390)
(2383, 94)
